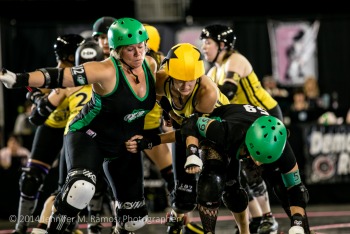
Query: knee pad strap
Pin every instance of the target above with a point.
(183, 197)
(132, 216)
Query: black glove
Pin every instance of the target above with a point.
(34, 95)
(36, 119)
(148, 142)
(189, 127)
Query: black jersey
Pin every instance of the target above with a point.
(236, 119)
(114, 118)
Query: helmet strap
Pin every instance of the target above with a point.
(217, 54)
(137, 81)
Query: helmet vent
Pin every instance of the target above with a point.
(129, 35)
(140, 32)
(265, 135)
(275, 138)
(269, 157)
(257, 152)
(273, 127)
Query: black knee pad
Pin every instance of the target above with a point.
(235, 198)
(76, 193)
(211, 183)
(183, 197)
(298, 195)
(32, 179)
(132, 216)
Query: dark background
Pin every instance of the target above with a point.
(28, 30)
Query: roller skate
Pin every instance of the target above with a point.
(268, 225)
(119, 230)
(174, 223)
(20, 230)
(94, 228)
(254, 225)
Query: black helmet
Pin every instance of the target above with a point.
(220, 33)
(67, 45)
(101, 25)
(88, 51)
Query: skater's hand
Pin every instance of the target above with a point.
(131, 144)
(138, 143)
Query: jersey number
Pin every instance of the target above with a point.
(83, 100)
(250, 108)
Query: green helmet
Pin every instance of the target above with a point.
(266, 138)
(126, 31)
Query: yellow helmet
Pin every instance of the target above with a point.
(154, 38)
(184, 62)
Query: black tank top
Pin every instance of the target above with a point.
(113, 118)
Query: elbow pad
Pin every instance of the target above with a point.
(45, 108)
(229, 89)
(34, 95)
(53, 77)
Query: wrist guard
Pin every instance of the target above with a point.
(148, 143)
(193, 159)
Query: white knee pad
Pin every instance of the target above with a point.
(137, 223)
(80, 194)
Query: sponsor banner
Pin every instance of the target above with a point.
(327, 154)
